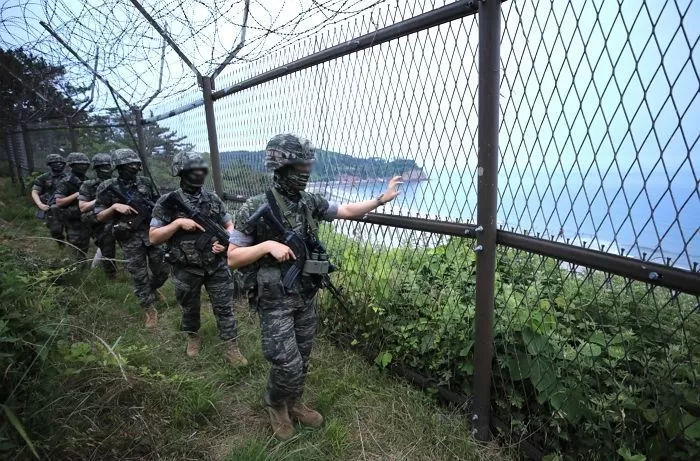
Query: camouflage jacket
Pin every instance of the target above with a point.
(88, 193)
(193, 249)
(69, 186)
(267, 270)
(46, 185)
(141, 190)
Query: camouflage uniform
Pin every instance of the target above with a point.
(78, 234)
(193, 268)
(101, 232)
(45, 184)
(145, 262)
(287, 317)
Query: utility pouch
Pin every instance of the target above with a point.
(318, 264)
(121, 231)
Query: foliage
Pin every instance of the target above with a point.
(583, 361)
(23, 77)
(89, 382)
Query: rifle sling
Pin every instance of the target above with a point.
(281, 210)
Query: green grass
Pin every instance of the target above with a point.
(141, 398)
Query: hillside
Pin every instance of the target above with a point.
(334, 166)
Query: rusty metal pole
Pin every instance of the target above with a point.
(487, 195)
(207, 88)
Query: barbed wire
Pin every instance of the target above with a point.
(129, 48)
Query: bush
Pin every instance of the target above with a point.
(586, 364)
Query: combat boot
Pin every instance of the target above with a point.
(282, 426)
(305, 415)
(233, 355)
(151, 318)
(194, 343)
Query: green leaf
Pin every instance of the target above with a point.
(519, 366)
(598, 338)
(616, 352)
(543, 377)
(383, 359)
(466, 349)
(628, 456)
(12, 418)
(535, 343)
(467, 367)
(590, 350)
(651, 415)
(354, 342)
(558, 399)
(692, 427)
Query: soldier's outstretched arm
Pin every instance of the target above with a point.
(357, 209)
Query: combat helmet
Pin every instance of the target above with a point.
(184, 161)
(288, 149)
(54, 158)
(125, 156)
(101, 160)
(75, 158)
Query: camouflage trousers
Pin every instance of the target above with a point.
(287, 327)
(56, 226)
(146, 265)
(79, 237)
(102, 234)
(220, 288)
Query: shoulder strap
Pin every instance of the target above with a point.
(275, 205)
(280, 210)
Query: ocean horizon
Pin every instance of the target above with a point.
(655, 221)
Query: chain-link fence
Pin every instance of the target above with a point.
(593, 288)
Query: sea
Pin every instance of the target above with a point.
(657, 221)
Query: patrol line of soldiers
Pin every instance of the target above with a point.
(145, 225)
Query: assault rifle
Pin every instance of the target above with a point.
(211, 227)
(143, 207)
(288, 237)
(311, 261)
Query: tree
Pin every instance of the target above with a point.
(32, 89)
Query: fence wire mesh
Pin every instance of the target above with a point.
(598, 149)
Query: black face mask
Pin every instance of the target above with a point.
(129, 172)
(192, 181)
(57, 168)
(80, 169)
(291, 181)
(103, 172)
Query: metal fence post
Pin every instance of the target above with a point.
(487, 194)
(73, 135)
(211, 132)
(140, 133)
(28, 148)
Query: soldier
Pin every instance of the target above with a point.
(67, 198)
(128, 200)
(43, 196)
(197, 258)
(101, 232)
(288, 316)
